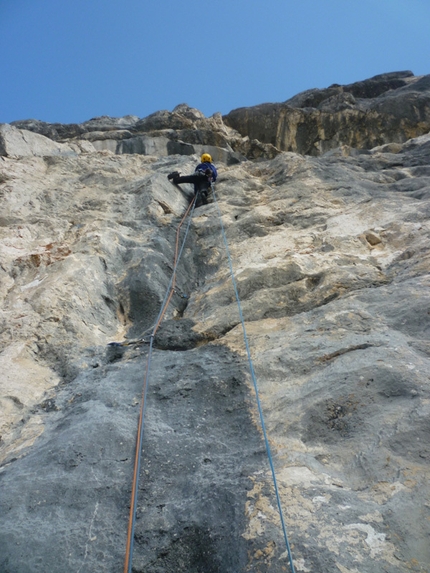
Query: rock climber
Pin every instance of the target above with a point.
(204, 175)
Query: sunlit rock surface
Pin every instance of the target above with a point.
(387, 108)
(331, 258)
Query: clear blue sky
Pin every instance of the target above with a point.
(71, 60)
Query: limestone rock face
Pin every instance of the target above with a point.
(387, 108)
(23, 143)
(331, 260)
(184, 131)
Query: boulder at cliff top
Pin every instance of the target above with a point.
(20, 142)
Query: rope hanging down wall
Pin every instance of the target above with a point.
(166, 301)
(254, 381)
(138, 452)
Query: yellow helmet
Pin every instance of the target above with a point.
(206, 158)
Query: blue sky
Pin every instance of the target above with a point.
(68, 61)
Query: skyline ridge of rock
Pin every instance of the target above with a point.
(387, 108)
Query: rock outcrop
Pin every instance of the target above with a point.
(184, 131)
(24, 143)
(387, 108)
(331, 257)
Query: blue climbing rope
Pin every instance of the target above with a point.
(254, 380)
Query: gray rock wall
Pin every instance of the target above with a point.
(331, 257)
(24, 143)
(387, 108)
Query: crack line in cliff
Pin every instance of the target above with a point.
(138, 452)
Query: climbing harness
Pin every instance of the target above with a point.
(171, 289)
(138, 452)
(254, 380)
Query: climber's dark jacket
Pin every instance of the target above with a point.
(205, 166)
(203, 176)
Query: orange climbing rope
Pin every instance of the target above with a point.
(165, 304)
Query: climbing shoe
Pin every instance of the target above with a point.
(173, 175)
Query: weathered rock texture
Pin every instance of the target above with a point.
(331, 256)
(183, 131)
(387, 108)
